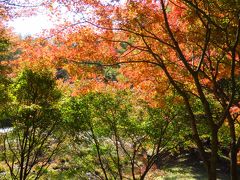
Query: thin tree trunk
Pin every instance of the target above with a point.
(233, 150)
(233, 162)
(98, 152)
(212, 172)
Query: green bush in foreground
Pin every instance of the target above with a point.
(33, 110)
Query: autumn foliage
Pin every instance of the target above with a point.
(155, 49)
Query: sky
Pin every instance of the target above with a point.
(30, 25)
(34, 25)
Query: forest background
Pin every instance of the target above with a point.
(119, 89)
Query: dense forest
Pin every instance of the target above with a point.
(121, 89)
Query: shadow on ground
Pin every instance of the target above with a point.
(189, 166)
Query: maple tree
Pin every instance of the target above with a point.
(7, 53)
(36, 121)
(116, 134)
(193, 44)
(4, 47)
(190, 46)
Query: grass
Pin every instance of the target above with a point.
(181, 167)
(182, 173)
(188, 168)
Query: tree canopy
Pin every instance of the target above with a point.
(177, 56)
